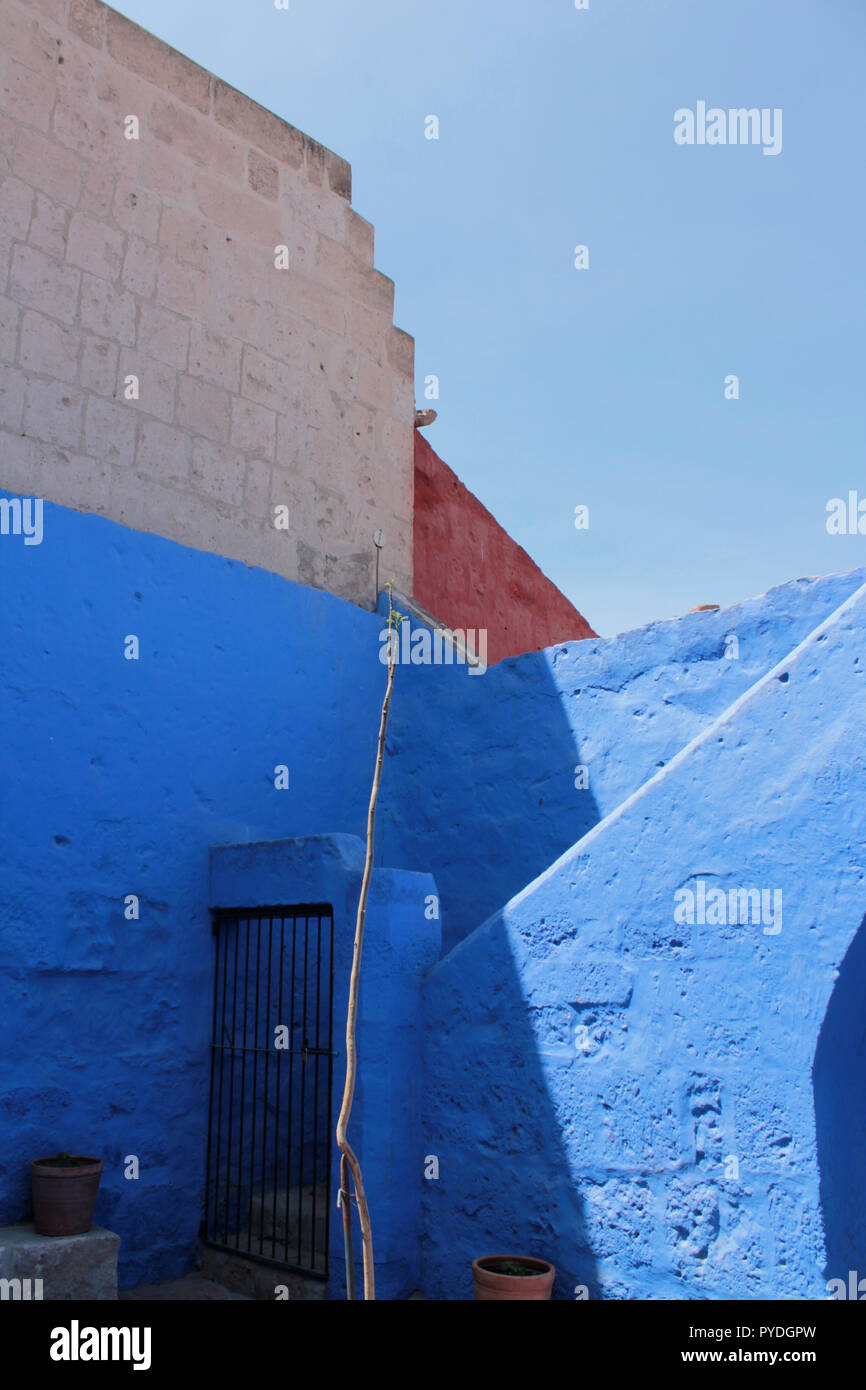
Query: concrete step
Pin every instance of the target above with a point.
(257, 1280)
(57, 1268)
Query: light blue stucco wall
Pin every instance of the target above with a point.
(632, 1096)
(117, 778)
(486, 794)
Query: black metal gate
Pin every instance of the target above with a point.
(269, 1126)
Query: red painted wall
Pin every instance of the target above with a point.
(469, 573)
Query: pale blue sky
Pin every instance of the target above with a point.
(604, 387)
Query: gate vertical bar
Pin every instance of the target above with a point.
(280, 1017)
(303, 1092)
(268, 1043)
(329, 1127)
(316, 1093)
(243, 1089)
(231, 1084)
(292, 979)
(255, 1092)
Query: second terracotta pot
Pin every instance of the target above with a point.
(492, 1283)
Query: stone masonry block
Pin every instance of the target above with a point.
(239, 213)
(87, 20)
(163, 452)
(378, 292)
(156, 384)
(339, 173)
(165, 174)
(148, 56)
(266, 380)
(163, 335)
(78, 75)
(26, 95)
(186, 237)
(94, 247)
(261, 127)
(257, 487)
(184, 289)
(109, 432)
(263, 175)
(360, 236)
(52, 9)
(253, 428)
(237, 317)
(314, 161)
(218, 473)
(29, 41)
(98, 367)
(9, 318)
(318, 303)
(204, 144)
(316, 207)
(21, 462)
(107, 311)
(92, 133)
(335, 264)
(136, 210)
(401, 352)
(97, 193)
(13, 385)
(204, 409)
(7, 140)
(216, 359)
(16, 205)
(72, 477)
(374, 384)
(48, 226)
(140, 267)
(45, 284)
(46, 346)
(54, 413)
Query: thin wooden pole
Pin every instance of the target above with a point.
(346, 1204)
(348, 1157)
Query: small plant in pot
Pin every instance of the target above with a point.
(512, 1276)
(64, 1193)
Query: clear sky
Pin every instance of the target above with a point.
(604, 387)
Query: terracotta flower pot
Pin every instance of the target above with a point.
(492, 1283)
(64, 1193)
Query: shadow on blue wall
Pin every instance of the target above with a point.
(505, 1184)
(839, 1079)
(486, 796)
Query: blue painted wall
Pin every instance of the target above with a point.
(117, 778)
(590, 1063)
(631, 1095)
(486, 796)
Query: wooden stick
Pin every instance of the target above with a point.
(352, 1014)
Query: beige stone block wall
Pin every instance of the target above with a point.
(154, 259)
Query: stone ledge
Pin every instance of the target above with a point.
(70, 1267)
